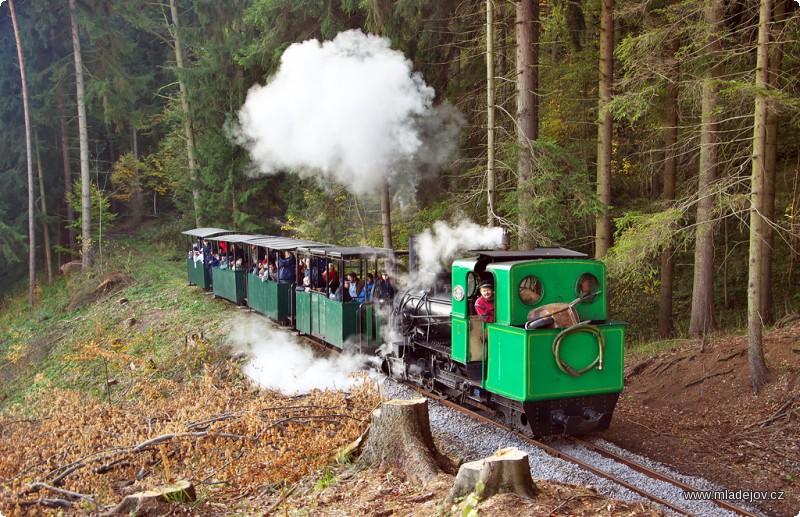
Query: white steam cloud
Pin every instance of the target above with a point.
(349, 110)
(438, 246)
(279, 361)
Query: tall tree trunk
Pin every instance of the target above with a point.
(64, 143)
(67, 173)
(386, 215)
(702, 317)
(665, 324)
(527, 35)
(29, 157)
(87, 257)
(48, 255)
(755, 351)
(771, 162)
(604, 127)
(187, 114)
(490, 172)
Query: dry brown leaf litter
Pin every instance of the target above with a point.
(214, 430)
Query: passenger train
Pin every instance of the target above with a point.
(551, 362)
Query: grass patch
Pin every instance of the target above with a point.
(76, 336)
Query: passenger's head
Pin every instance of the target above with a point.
(370, 278)
(307, 281)
(487, 289)
(287, 254)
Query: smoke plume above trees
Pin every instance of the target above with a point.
(350, 110)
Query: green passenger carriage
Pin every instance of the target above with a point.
(351, 325)
(195, 270)
(231, 282)
(269, 297)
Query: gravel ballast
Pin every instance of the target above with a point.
(459, 435)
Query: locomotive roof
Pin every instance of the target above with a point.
(205, 232)
(538, 253)
(283, 243)
(351, 252)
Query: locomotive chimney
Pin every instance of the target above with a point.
(505, 240)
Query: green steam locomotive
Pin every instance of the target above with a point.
(549, 360)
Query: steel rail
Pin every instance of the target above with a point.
(655, 474)
(586, 466)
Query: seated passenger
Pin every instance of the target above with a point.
(214, 260)
(484, 305)
(383, 291)
(286, 266)
(365, 294)
(342, 292)
(306, 285)
(223, 263)
(330, 276)
(354, 288)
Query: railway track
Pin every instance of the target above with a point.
(589, 467)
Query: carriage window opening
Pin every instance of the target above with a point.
(587, 287)
(530, 290)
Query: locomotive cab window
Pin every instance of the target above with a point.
(530, 290)
(471, 283)
(587, 287)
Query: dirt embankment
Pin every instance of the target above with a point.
(694, 409)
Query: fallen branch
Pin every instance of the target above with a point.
(570, 499)
(778, 414)
(789, 318)
(731, 356)
(44, 486)
(60, 478)
(165, 437)
(703, 379)
(48, 503)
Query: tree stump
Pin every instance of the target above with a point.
(400, 438)
(507, 470)
(148, 503)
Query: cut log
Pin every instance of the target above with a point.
(400, 438)
(507, 470)
(148, 502)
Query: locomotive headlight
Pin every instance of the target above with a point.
(458, 293)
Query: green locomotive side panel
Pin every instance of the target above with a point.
(541, 379)
(198, 274)
(459, 339)
(460, 279)
(273, 299)
(230, 284)
(559, 283)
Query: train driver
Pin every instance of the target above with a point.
(484, 305)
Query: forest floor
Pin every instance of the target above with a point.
(107, 362)
(693, 408)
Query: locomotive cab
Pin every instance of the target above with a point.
(560, 375)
